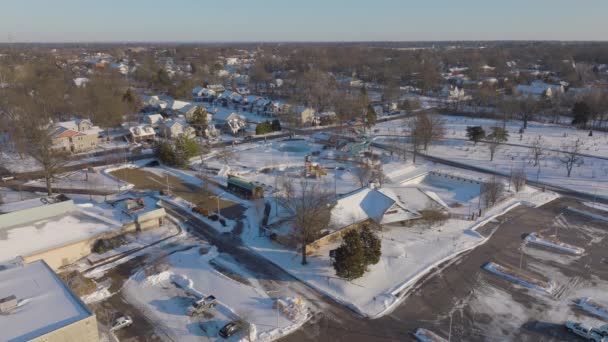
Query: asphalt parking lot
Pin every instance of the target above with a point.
(481, 306)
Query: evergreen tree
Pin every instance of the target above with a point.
(581, 113)
(199, 120)
(475, 133)
(263, 128)
(350, 257)
(164, 152)
(187, 147)
(372, 245)
(162, 78)
(276, 125)
(370, 116)
(498, 134)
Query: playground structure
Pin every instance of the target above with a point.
(313, 169)
(360, 145)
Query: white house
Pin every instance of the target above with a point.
(176, 128)
(153, 120)
(232, 123)
(142, 133)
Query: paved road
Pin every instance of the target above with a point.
(458, 288)
(271, 276)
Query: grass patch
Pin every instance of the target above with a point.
(144, 180)
(79, 284)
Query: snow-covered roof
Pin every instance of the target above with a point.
(45, 303)
(49, 233)
(81, 81)
(383, 206)
(153, 118)
(141, 130)
(224, 115)
(360, 205)
(26, 204)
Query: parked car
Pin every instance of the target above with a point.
(231, 329)
(121, 322)
(202, 305)
(603, 330)
(585, 332)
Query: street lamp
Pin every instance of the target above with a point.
(218, 202)
(277, 302)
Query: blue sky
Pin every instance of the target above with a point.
(301, 20)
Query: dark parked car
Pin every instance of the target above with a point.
(231, 329)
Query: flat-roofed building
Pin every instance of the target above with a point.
(41, 308)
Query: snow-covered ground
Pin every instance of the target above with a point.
(85, 179)
(590, 177)
(272, 162)
(407, 254)
(553, 136)
(189, 275)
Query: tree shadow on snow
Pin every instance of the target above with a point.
(177, 305)
(546, 328)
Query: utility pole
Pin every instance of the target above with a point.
(450, 331)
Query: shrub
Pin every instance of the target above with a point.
(350, 257)
(263, 128)
(372, 245)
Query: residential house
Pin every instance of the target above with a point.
(142, 133)
(153, 120)
(232, 123)
(305, 115)
(75, 136)
(243, 91)
(216, 88)
(188, 111)
(262, 106)
(175, 128)
(200, 94)
(539, 89)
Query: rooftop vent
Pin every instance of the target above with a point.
(8, 304)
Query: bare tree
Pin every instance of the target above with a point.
(309, 210)
(424, 129)
(494, 139)
(518, 179)
(491, 191)
(40, 147)
(364, 173)
(527, 108)
(226, 155)
(570, 155)
(537, 151)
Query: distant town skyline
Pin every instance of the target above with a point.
(313, 20)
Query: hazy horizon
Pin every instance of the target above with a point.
(242, 21)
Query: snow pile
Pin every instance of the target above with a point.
(513, 277)
(588, 214)
(598, 206)
(424, 335)
(97, 296)
(538, 239)
(189, 275)
(292, 308)
(593, 307)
